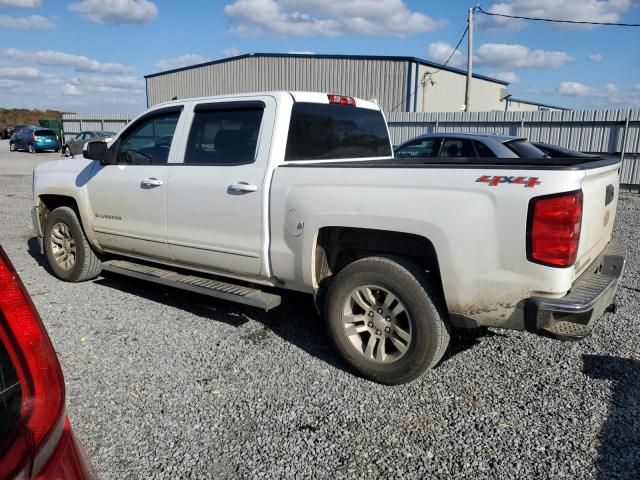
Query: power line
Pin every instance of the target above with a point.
(455, 49)
(577, 22)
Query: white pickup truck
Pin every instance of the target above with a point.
(239, 196)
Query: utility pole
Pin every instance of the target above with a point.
(467, 93)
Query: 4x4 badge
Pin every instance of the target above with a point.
(494, 181)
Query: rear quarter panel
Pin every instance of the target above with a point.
(478, 230)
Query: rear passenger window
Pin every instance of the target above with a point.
(227, 136)
(326, 131)
(457, 147)
(483, 150)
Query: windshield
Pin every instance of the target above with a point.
(107, 134)
(525, 149)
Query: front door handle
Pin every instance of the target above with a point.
(151, 182)
(242, 187)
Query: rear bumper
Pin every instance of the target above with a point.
(571, 317)
(46, 145)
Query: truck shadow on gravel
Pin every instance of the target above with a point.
(619, 439)
(295, 320)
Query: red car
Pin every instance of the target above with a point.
(36, 439)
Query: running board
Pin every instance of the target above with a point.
(193, 283)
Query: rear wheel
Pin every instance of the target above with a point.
(382, 317)
(31, 149)
(67, 151)
(68, 251)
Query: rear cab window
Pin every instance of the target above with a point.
(44, 133)
(321, 131)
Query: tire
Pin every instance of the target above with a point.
(63, 224)
(428, 332)
(57, 150)
(30, 149)
(67, 151)
(12, 147)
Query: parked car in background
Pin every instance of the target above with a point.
(6, 132)
(74, 145)
(36, 438)
(34, 139)
(463, 145)
(19, 127)
(554, 151)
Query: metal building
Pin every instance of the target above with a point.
(398, 84)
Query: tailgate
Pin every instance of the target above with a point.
(600, 188)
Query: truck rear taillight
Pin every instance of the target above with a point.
(342, 100)
(553, 229)
(34, 420)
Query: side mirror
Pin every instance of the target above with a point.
(96, 150)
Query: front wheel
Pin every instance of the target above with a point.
(382, 317)
(12, 147)
(68, 251)
(67, 151)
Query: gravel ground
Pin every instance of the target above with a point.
(164, 384)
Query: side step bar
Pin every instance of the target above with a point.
(192, 283)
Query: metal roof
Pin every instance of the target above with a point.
(529, 102)
(350, 57)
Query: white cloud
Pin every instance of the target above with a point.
(181, 61)
(20, 3)
(103, 84)
(27, 23)
(509, 56)
(231, 52)
(510, 77)
(576, 10)
(60, 59)
(440, 51)
(71, 90)
(607, 96)
(595, 57)
(576, 89)
(116, 12)
(9, 84)
(22, 73)
(327, 17)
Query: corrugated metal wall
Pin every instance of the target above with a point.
(74, 123)
(593, 131)
(385, 81)
(596, 131)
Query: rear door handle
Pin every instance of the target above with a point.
(242, 187)
(151, 182)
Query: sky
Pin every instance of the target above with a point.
(91, 56)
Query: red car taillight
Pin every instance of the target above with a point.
(553, 229)
(28, 440)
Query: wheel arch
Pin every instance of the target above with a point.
(50, 201)
(337, 247)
